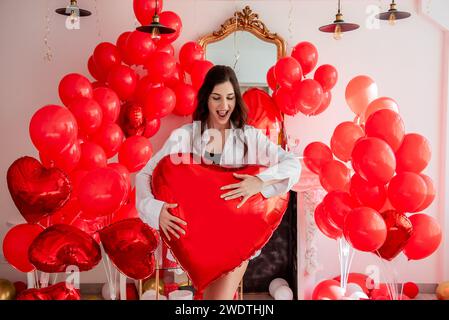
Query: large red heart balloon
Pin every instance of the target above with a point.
(61, 246)
(130, 244)
(399, 230)
(59, 291)
(36, 191)
(219, 237)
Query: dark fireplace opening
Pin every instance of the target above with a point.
(278, 259)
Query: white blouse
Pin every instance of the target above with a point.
(281, 165)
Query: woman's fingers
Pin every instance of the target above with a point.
(172, 231)
(171, 205)
(177, 220)
(166, 233)
(235, 196)
(230, 186)
(230, 193)
(242, 202)
(177, 227)
(241, 176)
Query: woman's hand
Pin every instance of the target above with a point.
(249, 186)
(168, 223)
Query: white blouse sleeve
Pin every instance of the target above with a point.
(284, 166)
(147, 206)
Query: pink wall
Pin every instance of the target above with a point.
(406, 61)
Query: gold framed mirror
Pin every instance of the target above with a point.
(245, 43)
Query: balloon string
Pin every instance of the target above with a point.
(107, 270)
(76, 217)
(390, 288)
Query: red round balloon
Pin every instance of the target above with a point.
(307, 56)
(411, 290)
(322, 222)
(16, 244)
(123, 80)
(283, 98)
(327, 76)
(66, 160)
(122, 46)
(425, 239)
(135, 152)
(413, 154)
(338, 204)
(407, 191)
(106, 56)
(74, 86)
(189, 53)
(307, 96)
(102, 193)
(287, 71)
(145, 10)
(123, 171)
(327, 98)
(327, 290)
(316, 154)
(379, 104)
(365, 229)
(388, 126)
(88, 114)
(344, 138)
(161, 67)
(430, 194)
(271, 79)
(160, 102)
(110, 137)
(167, 48)
(139, 47)
(171, 20)
(92, 156)
(334, 175)
(199, 71)
(185, 99)
(95, 71)
(59, 291)
(374, 160)
(109, 103)
(151, 127)
(368, 194)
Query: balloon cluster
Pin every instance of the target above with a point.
(78, 187)
(292, 91)
(372, 172)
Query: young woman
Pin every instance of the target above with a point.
(226, 140)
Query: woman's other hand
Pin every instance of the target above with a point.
(170, 224)
(249, 186)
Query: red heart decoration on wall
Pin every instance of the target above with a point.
(219, 237)
(130, 244)
(36, 191)
(399, 230)
(61, 246)
(59, 291)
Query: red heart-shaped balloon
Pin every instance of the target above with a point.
(36, 191)
(61, 246)
(219, 237)
(399, 230)
(130, 244)
(59, 291)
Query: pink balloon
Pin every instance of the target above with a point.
(379, 104)
(360, 92)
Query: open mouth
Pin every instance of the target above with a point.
(222, 114)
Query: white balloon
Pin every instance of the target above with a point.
(359, 295)
(275, 284)
(106, 291)
(283, 293)
(151, 295)
(352, 288)
(180, 295)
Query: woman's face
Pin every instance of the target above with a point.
(221, 104)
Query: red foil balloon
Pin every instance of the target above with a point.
(61, 246)
(59, 291)
(208, 249)
(399, 231)
(130, 244)
(36, 191)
